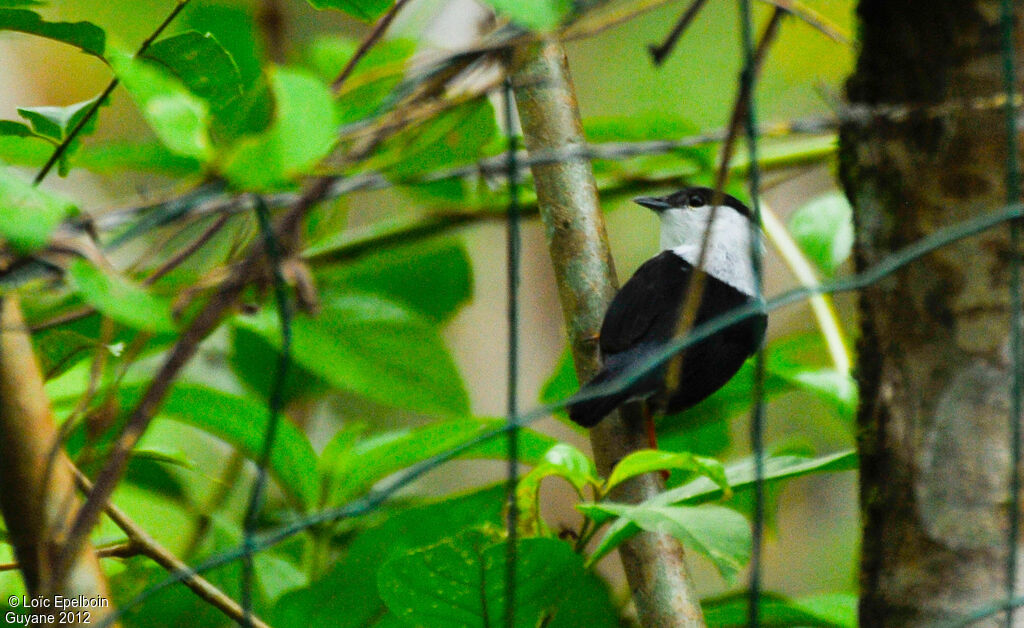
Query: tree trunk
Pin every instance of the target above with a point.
(935, 368)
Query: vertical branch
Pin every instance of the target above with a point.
(567, 196)
(513, 355)
(37, 491)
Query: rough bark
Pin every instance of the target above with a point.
(573, 223)
(934, 365)
(37, 489)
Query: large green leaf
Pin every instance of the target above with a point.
(538, 15)
(375, 348)
(243, 423)
(201, 64)
(433, 277)
(179, 118)
(216, 79)
(739, 475)
(824, 230)
(721, 534)
(86, 36)
(302, 132)
(368, 10)
(649, 460)
(831, 610)
(120, 299)
(346, 596)
(360, 464)
(151, 156)
(251, 351)
(28, 215)
(461, 582)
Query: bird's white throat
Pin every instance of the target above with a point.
(728, 255)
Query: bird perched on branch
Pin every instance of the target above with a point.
(646, 313)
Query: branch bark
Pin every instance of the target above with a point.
(934, 365)
(567, 197)
(37, 491)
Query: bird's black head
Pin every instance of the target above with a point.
(690, 198)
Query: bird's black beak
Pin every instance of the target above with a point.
(657, 203)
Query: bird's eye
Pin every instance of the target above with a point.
(696, 200)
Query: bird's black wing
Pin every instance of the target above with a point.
(646, 309)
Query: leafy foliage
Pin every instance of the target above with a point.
(374, 398)
(824, 230)
(29, 215)
(86, 36)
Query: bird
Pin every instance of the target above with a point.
(644, 315)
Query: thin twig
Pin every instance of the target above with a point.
(66, 142)
(140, 542)
(660, 52)
(378, 30)
(688, 313)
(187, 251)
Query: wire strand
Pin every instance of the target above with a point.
(1016, 315)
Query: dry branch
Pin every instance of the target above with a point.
(37, 492)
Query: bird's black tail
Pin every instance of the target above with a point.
(590, 412)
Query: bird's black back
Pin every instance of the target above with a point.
(643, 317)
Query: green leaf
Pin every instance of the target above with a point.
(364, 463)
(346, 596)
(648, 460)
(60, 349)
(86, 36)
(216, 79)
(122, 300)
(179, 118)
(691, 162)
(538, 15)
(433, 277)
(303, 131)
(721, 534)
(824, 230)
(586, 603)
(116, 157)
(454, 137)
(739, 475)
(562, 460)
(374, 348)
(16, 129)
(251, 351)
(28, 215)
(461, 582)
(367, 10)
(792, 363)
(201, 64)
(241, 422)
(56, 122)
(832, 610)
